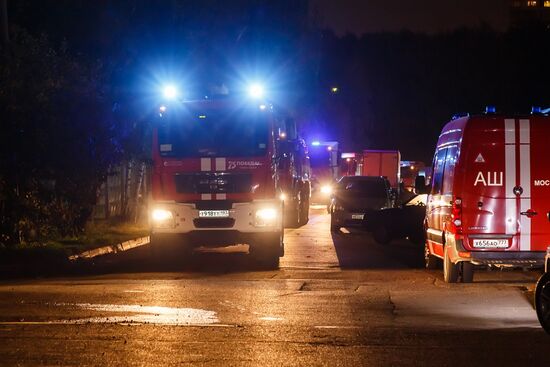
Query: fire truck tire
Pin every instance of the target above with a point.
(304, 211)
(266, 251)
(542, 301)
(432, 262)
(169, 249)
(450, 270)
(467, 270)
(293, 215)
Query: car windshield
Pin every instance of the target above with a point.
(367, 188)
(214, 134)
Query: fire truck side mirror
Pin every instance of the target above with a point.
(420, 185)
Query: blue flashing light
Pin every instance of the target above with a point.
(170, 91)
(536, 110)
(490, 109)
(315, 143)
(256, 91)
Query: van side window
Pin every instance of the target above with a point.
(439, 165)
(449, 170)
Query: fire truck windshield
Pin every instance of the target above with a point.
(210, 135)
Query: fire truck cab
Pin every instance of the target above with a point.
(215, 179)
(489, 200)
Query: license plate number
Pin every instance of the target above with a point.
(213, 213)
(487, 243)
(357, 216)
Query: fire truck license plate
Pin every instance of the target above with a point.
(213, 213)
(486, 243)
(357, 216)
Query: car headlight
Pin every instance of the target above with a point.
(266, 217)
(162, 218)
(326, 189)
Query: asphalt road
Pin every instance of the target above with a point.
(339, 300)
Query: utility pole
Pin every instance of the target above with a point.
(4, 20)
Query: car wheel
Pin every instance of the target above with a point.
(542, 301)
(382, 235)
(333, 227)
(432, 262)
(450, 270)
(467, 272)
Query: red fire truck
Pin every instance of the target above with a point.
(489, 201)
(216, 177)
(294, 177)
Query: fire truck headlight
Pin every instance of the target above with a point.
(170, 91)
(162, 218)
(256, 91)
(326, 190)
(266, 217)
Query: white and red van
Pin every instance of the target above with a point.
(489, 202)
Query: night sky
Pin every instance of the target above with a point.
(426, 16)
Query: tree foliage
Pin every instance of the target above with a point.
(57, 139)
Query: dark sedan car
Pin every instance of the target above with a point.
(355, 197)
(403, 221)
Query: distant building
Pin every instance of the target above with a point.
(530, 13)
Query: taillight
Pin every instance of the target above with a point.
(456, 216)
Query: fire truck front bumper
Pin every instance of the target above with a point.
(239, 223)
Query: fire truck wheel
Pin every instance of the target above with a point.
(467, 270)
(432, 262)
(266, 251)
(169, 249)
(304, 211)
(293, 216)
(450, 270)
(542, 301)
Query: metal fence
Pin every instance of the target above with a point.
(125, 192)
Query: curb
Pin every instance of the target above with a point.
(111, 249)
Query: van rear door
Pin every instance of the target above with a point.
(535, 178)
(506, 185)
(490, 208)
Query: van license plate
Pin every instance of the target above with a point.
(213, 213)
(486, 243)
(357, 216)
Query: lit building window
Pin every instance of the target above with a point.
(547, 4)
(532, 3)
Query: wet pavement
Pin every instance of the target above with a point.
(337, 300)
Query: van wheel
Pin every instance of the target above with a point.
(431, 261)
(542, 301)
(450, 270)
(467, 272)
(382, 235)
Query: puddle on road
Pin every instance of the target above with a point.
(136, 314)
(270, 318)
